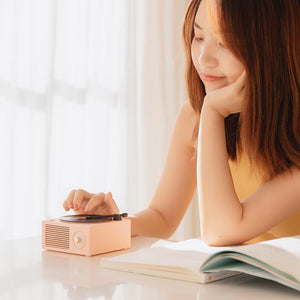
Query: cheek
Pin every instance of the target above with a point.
(233, 68)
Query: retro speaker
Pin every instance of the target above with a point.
(87, 234)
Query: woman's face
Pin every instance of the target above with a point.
(216, 65)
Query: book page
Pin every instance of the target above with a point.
(280, 257)
(252, 270)
(188, 254)
(181, 260)
(282, 254)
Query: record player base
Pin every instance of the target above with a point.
(86, 238)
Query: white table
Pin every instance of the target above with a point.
(28, 272)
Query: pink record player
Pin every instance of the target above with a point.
(87, 234)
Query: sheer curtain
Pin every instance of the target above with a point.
(89, 93)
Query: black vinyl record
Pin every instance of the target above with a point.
(92, 218)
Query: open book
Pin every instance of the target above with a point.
(193, 260)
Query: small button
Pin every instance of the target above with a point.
(77, 239)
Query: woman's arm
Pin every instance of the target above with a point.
(224, 219)
(177, 184)
(220, 209)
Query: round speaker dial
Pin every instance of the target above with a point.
(79, 239)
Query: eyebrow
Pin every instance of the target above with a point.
(197, 26)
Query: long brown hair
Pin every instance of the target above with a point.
(264, 36)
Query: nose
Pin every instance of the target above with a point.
(207, 57)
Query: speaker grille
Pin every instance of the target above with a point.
(57, 236)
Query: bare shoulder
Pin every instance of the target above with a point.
(285, 185)
(292, 180)
(188, 112)
(295, 172)
(186, 122)
(280, 197)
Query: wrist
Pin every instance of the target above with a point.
(209, 109)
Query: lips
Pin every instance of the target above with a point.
(211, 78)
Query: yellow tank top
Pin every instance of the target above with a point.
(247, 183)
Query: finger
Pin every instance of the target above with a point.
(111, 204)
(78, 211)
(68, 203)
(94, 202)
(79, 197)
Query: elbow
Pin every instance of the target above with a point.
(222, 239)
(165, 232)
(228, 232)
(213, 235)
(170, 232)
(216, 241)
(165, 236)
(222, 242)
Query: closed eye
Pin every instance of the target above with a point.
(198, 39)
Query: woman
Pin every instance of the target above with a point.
(238, 137)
